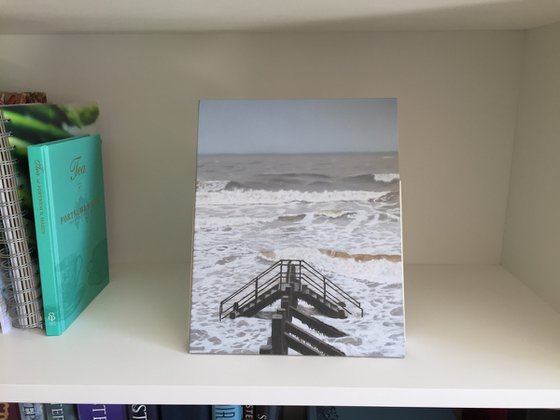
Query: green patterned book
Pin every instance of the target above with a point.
(69, 208)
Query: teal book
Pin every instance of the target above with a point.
(69, 210)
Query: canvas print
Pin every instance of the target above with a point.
(297, 231)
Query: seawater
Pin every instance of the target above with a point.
(340, 213)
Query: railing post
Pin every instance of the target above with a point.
(289, 292)
(285, 305)
(297, 273)
(256, 289)
(278, 334)
(324, 288)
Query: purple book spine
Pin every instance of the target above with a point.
(102, 411)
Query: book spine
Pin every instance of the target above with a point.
(143, 412)
(268, 412)
(4, 411)
(31, 411)
(61, 412)
(186, 412)
(230, 412)
(248, 412)
(45, 240)
(102, 412)
(9, 411)
(18, 269)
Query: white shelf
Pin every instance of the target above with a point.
(476, 337)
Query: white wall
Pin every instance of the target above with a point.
(532, 235)
(457, 96)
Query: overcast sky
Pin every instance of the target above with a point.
(297, 126)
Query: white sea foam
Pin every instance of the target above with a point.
(229, 222)
(334, 214)
(221, 197)
(211, 186)
(386, 177)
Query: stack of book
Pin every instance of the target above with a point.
(33, 411)
(53, 241)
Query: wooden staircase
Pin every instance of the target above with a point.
(291, 281)
(295, 278)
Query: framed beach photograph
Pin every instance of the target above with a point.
(297, 229)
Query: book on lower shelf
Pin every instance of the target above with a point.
(32, 411)
(9, 411)
(20, 127)
(69, 209)
(186, 412)
(231, 412)
(248, 412)
(268, 412)
(143, 412)
(102, 412)
(379, 413)
(61, 411)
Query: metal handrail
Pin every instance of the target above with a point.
(332, 284)
(259, 291)
(337, 289)
(323, 291)
(250, 283)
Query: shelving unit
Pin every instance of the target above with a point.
(477, 336)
